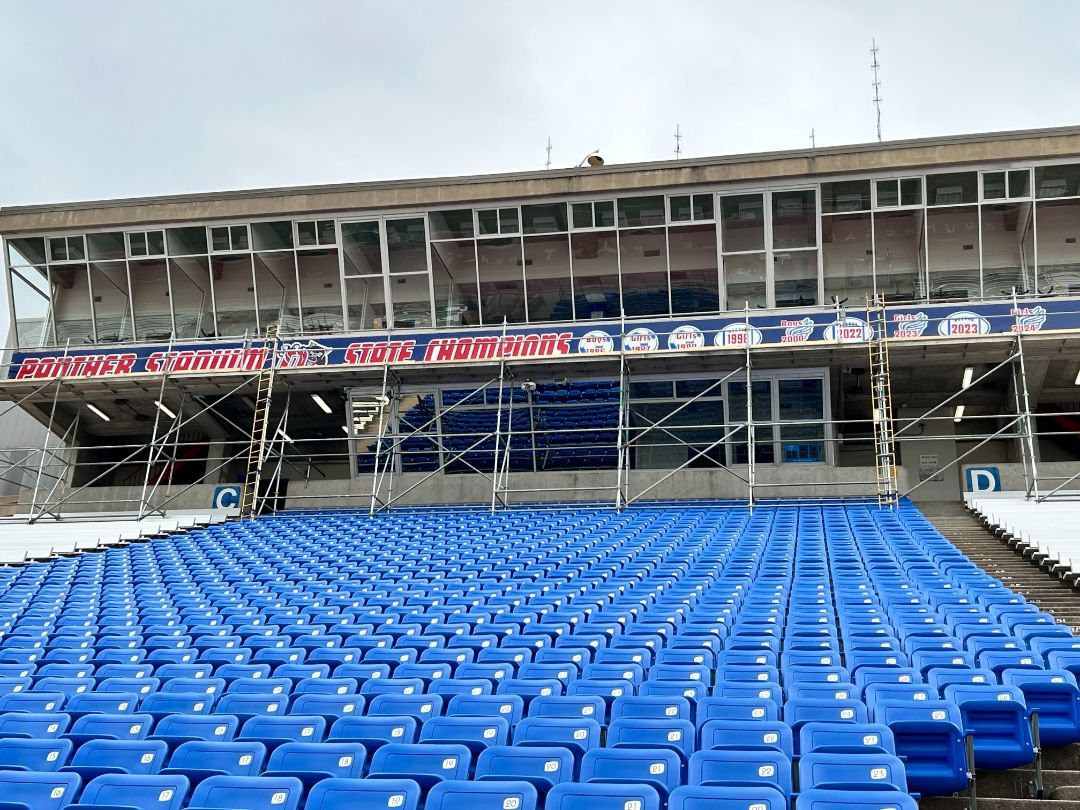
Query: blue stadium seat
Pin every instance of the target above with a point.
(852, 772)
(364, 794)
(1055, 696)
(999, 720)
(311, 762)
(426, 764)
(659, 767)
(141, 792)
(824, 799)
(846, 738)
(38, 791)
(133, 757)
(697, 797)
(731, 768)
(373, 732)
(483, 795)
(579, 735)
(541, 766)
(248, 793)
(198, 760)
(601, 796)
(476, 733)
(34, 755)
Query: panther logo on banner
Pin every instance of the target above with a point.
(297, 354)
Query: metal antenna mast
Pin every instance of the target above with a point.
(877, 86)
(678, 142)
(813, 140)
(547, 163)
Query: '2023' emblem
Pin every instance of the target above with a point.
(965, 322)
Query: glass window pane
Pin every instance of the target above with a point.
(186, 241)
(1059, 246)
(911, 191)
(656, 389)
(508, 220)
(1058, 181)
(764, 449)
(106, 245)
(112, 310)
(1003, 231)
(306, 234)
(72, 317)
(189, 279)
(453, 272)
(794, 215)
(1020, 183)
(58, 251)
(795, 277)
(234, 295)
(546, 218)
(604, 214)
(151, 302)
(272, 235)
(238, 236)
(275, 288)
(26, 250)
(363, 248)
(636, 211)
(327, 232)
(411, 298)
(953, 249)
(406, 247)
(488, 221)
(155, 243)
(596, 275)
(219, 238)
(138, 244)
(320, 291)
(888, 193)
(456, 224)
(801, 400)
(744, 280)
(583, 213)
(547, 278)
(643, 255)
(33, 326)
(502, 285)
(952, 188)
(365, 303)
(742, 222)
(76, 248)
(848, 257)
(899, 260)
(993, 185)
(703, 206)
(680, 208)
(845, 195)
(695, 281)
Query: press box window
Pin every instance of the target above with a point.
(314, 233)
(493, 221)
(67, 249)
(226, 238)
(690, 207)
(599, 214)
(146, 243)
(893, 193)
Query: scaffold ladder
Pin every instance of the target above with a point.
(881, 402)
(259, 426)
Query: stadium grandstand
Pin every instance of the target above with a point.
(734, 483)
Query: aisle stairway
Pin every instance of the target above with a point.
(1009, 790)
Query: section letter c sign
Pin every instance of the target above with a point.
(227, 497)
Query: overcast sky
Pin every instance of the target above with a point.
(109, 98)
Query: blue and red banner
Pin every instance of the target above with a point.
(688, 334)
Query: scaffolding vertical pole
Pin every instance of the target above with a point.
(751, 447)
(623, 450)
(395, 419)
(156, 454)
(498, 418)
(154, 435)
(1019, 410)
(1029, 437)
(383, 402)
(48, 432)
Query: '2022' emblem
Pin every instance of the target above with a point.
(849, 330)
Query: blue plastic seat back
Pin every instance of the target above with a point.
(475, 732)
(509, 707)
(144, 792)
(33, 724)
(846, 738)
(240, 758)
(248, 793)
(852, 772)
(729, 767)
(697, 797)
(601, 796)
(138, 757)
(577, 734)
(215, 728)
(715, 708)
(374, 732)
(364, 794)
(345, 760)
(653, 707)
(483, 795)
(659, 767)
(39, 791)
(679, 735)
(541, 766)
(34, 755)
(747, 734)
(591, 707)
(296, 727)
(824, 799)
(427, 763)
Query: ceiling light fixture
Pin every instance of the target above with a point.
(969, 373)
(321, 403)
(164, 409)
(958, 414)
(96, 410)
